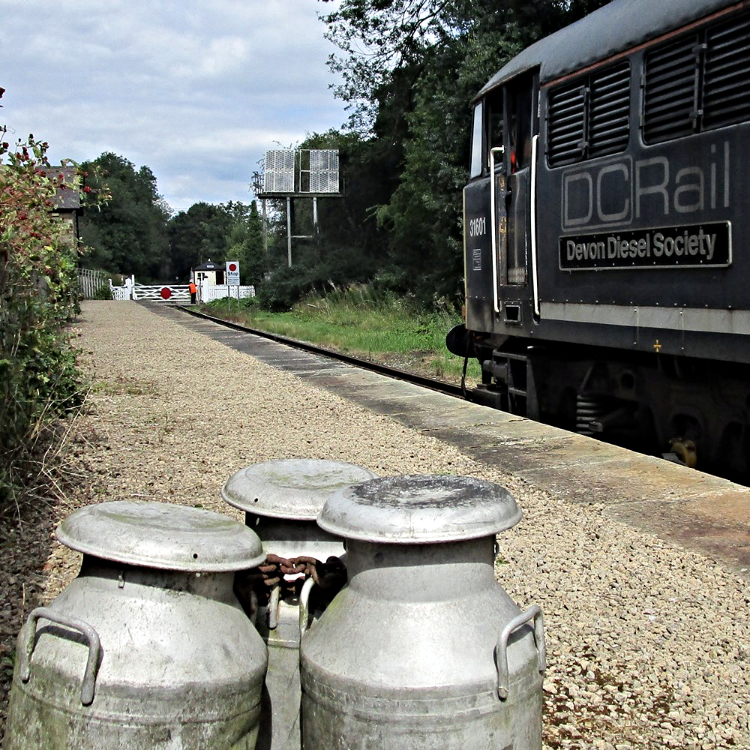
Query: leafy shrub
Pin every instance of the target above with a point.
(285, 287)
(340, 267)
(39, 380)
(103, 292)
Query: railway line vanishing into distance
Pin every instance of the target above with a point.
(684, 506)
(440, 386)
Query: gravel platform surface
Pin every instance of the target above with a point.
(648, 645)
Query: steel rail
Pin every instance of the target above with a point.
(391, 372)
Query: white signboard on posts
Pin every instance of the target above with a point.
(233, 272)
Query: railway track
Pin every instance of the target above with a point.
(440, 386)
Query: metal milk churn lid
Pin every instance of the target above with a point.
(422, 648)
(282, 500)
(148, 647)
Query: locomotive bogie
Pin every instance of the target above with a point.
(643, 402)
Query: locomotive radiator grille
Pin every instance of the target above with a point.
(726, 81)
(698, 83)
(669, 94)
(589, 118)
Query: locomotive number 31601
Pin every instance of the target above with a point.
(477, 227)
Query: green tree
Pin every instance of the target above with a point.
(379, 38)
(204, 232)
(246, 246)
(369, 169)
(424, 212)
(410, 69)
(347, 245)
(129, 235)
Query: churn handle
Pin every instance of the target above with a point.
(501, 650)
(88, 632)
(304, 606)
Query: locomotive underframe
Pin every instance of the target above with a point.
(653, 403)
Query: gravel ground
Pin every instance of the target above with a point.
(648, 645)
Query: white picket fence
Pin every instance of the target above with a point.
(121, 293)
(89, 282)
(208, 293)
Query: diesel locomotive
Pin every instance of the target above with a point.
(607, 231)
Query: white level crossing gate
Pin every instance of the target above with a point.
(162, 293)
(178, 293)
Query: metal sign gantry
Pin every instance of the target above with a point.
(298, 173)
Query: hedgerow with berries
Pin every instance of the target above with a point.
(39, 380)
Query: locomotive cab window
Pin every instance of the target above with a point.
(495, 122)
(477, 142)
(487, 133)
(518, 116)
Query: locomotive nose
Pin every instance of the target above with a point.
(460, 342)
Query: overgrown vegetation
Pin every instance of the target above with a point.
(362, 321)
(39, 381)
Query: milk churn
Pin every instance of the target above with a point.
(148, 647)
(422, 648)
(281, 500)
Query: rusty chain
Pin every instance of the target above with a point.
(330, 577)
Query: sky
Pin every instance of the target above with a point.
(196, 90)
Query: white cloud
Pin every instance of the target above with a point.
(195, 90)
(220, 57)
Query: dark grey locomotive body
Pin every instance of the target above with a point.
(606, 230)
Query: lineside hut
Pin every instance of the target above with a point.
(209, 273)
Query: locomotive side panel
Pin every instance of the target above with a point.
(646, 247)
(606, 231)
